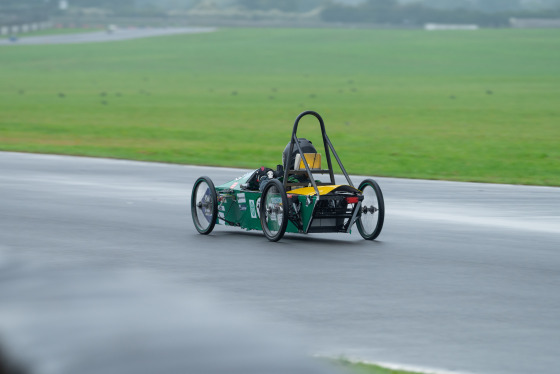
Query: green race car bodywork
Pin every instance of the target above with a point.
(239, 206)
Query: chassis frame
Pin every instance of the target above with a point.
(292, 201)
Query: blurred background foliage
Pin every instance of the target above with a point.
(489, 13)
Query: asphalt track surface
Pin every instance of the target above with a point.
(464, 276)
(104, 36)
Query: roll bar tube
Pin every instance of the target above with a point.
(327, 145)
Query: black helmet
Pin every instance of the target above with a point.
(306, 147)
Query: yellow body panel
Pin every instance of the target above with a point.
(323, 190)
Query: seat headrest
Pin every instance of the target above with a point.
(313, 160)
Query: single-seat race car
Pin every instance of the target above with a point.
(290, 199)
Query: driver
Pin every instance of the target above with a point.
(289, 161)
(264, 174)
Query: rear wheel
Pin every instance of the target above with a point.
(204, 205)
(372, 212)
(273, 210)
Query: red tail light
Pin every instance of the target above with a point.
(352, 199)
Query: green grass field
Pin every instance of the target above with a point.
(471, 106)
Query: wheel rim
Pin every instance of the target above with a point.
(273, 211)
(203, 206)
(370, 210)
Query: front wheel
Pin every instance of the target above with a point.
(204, 205)
(273, 210)
(372, 211)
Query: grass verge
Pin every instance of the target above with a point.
(365, 368)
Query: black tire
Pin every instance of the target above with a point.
(204, 205)
(372, 215)
(273, 210)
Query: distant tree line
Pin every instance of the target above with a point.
(117, 6)
(393, 12)
(488, 6)
(489, 13)
(282, 5)
(15, 12)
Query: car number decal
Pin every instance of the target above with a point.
(253, 210)
(258, 207)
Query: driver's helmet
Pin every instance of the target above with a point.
(306, 147)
